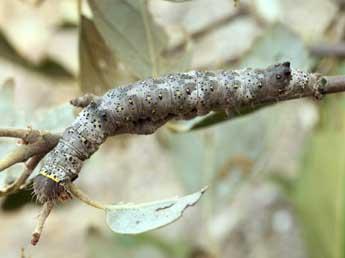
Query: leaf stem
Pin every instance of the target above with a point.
(75, 190)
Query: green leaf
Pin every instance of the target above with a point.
(131, 33)
(135, 219)
(99, 69)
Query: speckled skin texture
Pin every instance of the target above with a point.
(142, 107)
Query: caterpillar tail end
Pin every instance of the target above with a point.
(48, 188)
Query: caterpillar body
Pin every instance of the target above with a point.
(142, 107)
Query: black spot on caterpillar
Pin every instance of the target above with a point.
(144, 106)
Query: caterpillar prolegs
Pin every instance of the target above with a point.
(144, 106)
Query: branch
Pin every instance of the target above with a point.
(332, 84)
(84, 101)
(35, 145)
(213, 26)
(324, 85)
(15, 133)
(36, 142)
(322, 50)
(36, 235)
(20, 182)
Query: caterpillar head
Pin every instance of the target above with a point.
(278, 78)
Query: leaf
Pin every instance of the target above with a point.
(135, 219)
(99, 69)
(131, 33)
(277, 44)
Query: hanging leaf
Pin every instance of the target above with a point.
(135, 219)
(131, 33)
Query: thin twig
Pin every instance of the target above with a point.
(47, 207)
(334, 50)
(16, 185)
(15, 133)
(324, 85)
(75, 190)
(241, 11)
(83, 101)
(332, 84)
(38, 144)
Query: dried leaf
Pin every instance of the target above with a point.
(135, 219)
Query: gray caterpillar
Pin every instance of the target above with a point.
(144, 106)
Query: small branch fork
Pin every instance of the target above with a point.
(20, 182)
(35, 144)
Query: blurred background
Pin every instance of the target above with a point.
(276, 177)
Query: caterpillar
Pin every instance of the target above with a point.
(144, 106)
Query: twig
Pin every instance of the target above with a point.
(335, 50)
(324, 85)
(15, 133)
(16, 185)
(36, 143)
(332, 84)
(75, 190)
(241, 11)
(47, 207)
(83, 101)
